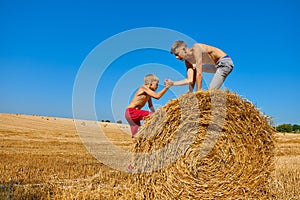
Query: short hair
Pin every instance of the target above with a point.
(150, 78)
(177, 44)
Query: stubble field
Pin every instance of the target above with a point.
(44, 158)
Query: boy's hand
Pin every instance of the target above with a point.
(168, 83)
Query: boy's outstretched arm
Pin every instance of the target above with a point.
(188, 81)
(151, 105)
(157, 95)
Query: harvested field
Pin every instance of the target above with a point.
(43, 157)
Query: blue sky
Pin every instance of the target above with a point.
(43, 45)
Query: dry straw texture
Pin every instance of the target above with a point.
(204, 145)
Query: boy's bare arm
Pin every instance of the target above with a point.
(197, 51)
(157, 95)
(188, 80)
(151, 105)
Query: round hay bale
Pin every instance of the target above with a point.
(204, 145)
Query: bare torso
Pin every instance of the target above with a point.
(140, 99)
(209, 53)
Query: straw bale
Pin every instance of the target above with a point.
(204, 145)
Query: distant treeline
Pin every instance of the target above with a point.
(288, 128)
(284, 128)
(119, 121)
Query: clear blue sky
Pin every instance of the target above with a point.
(44, 43)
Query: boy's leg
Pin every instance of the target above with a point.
(143, 113)
(134, 116)
(138, 116)
(225, 66)
(133, 125)
(217, 81)
(134, 130)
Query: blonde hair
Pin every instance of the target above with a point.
(150, 78)
(177, 44)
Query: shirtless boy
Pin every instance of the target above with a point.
(195, 58)
(144, 94)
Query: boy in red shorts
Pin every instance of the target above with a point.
(144, 94)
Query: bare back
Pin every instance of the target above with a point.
(140, 99)
(213, 52)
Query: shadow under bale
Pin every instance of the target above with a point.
(204, 145)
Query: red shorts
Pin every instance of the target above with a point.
(134, 117)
